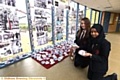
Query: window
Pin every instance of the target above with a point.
(111, 18)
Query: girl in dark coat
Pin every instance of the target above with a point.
(82, 41)
(98, 51)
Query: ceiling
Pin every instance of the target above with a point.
(102, 5)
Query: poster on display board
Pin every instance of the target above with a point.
(8, 2)
(10, 39)
(49, 19)
(59, 26)
(60, 19)
(72, 22)
(72, 19)
(41, 21)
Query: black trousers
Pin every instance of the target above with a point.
(98, 76)
(80, 60)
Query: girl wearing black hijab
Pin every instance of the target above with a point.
(98, 51)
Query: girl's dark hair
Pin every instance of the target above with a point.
(87, 25)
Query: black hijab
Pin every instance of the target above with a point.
(101, 35)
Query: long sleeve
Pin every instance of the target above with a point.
(75, 41)
(104, 53)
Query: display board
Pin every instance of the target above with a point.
(40, 7)
(10, 38)
(72, 20)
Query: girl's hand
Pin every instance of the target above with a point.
(87, 54)
(75, 47)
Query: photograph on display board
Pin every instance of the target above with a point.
(8, 2)
(5, 46)
(49, 23)
(56, 3)
(40, 3)
(50, 1)
(59, 12)
(10, 38)
(39, 12)
(16, 42)
(41, 29)
(8, 19)
(59, 23)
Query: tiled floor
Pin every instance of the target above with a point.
(65, 69)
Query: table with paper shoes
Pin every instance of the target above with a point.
(52, 54)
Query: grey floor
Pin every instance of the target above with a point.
(65, 69)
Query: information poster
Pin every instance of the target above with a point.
(60, 19)
(41, 21)
(10, 39)
(72, 20)
(59, 24)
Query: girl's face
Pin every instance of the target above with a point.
(94, 33)
(83, 25)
